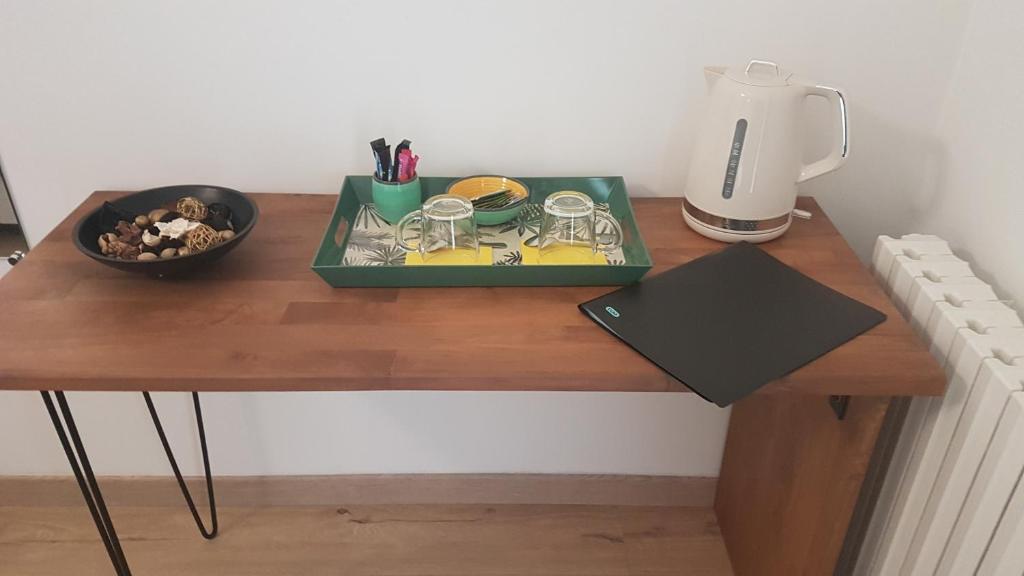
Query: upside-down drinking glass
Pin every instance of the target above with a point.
(569, 233)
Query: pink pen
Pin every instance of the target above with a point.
(403, 165)
(412, 165)
(406, 166)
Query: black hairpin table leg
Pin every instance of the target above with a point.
(75, 451)
(212, 532)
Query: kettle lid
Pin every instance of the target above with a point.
(760, 73)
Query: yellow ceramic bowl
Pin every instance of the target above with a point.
(475, 186)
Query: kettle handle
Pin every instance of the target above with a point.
(841, 146)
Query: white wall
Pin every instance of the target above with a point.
(973, 194)
(284, 96)
(382, 432)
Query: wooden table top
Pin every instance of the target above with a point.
(260, 319)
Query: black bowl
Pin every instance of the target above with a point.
(244, 214)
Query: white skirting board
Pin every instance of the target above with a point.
(374, 489)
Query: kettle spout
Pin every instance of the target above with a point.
(712, 74)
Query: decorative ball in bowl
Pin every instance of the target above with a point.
(496, 199)
(168, 231)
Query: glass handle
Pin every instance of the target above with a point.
(410, 218)
(616, 233)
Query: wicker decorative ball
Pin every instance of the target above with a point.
(202, 238)
(192, 208)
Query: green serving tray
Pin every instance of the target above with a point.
(356, 191)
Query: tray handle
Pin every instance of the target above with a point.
(332, 246)
(339, 232)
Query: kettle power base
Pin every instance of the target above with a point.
(725, 235)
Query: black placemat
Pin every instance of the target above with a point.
(730, 322)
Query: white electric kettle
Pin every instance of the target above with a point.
(747, 160)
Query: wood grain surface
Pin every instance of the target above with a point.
(356, 540)
(789, 482)
(260, 319)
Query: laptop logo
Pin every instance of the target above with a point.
(612, 311)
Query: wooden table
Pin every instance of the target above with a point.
(261, 320)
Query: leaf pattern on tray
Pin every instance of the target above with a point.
(385, 255)
(363, 239)
(527, 224)
(514, 258)
(368, 217)
(372, 240)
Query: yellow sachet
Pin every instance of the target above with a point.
(566, 255)
(452, 258)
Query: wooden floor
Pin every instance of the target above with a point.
(406, 540)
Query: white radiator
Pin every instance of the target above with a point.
(953, 500)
